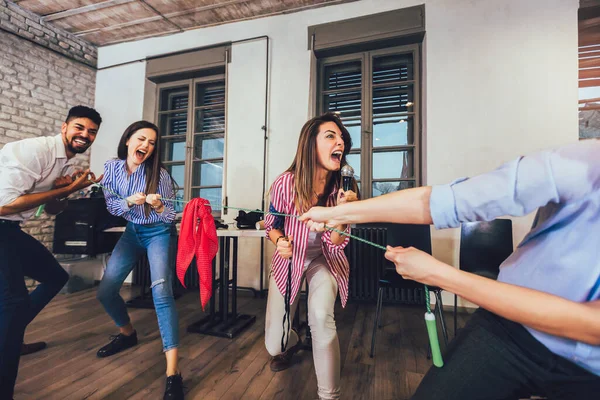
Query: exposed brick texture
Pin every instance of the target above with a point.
(29, 26)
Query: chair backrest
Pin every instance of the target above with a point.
(485, 245)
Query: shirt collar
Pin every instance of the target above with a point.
(139, 169)
(60, 147)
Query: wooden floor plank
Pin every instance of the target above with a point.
(76, 326)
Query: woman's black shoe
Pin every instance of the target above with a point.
(174, 388)
(118, 343)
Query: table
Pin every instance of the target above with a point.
(224, 322)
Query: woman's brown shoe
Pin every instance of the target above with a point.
(283, 361)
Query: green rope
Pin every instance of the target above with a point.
(427, 302)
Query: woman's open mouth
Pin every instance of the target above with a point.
(336, 156)
(140, 155)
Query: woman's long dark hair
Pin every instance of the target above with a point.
(153, 165)
(304, 166)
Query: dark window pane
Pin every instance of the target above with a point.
(343, 76)
(213, 195)
(173, 124)
(392, 99)
(393, 68)
(393, 131)
(208, 147)
(174, 98)
(210, 120)
(207, 174)
(173, 150)
(354, 161)
(177, 171)
(210, 94)
(347, 104)
(393, 165)
(380, 188)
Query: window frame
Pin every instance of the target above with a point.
(190, 134)
(367, 149)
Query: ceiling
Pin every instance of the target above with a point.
(104, 22)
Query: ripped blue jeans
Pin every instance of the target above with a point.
(155, 240)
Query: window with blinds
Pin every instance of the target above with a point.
(376, 95)
(589, 72)
(191, 117)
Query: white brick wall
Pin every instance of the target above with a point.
(29, 26)
(39, 85)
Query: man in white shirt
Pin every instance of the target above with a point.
(30, 175)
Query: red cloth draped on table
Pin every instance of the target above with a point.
(198, 237)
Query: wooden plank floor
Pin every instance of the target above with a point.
(75, 327)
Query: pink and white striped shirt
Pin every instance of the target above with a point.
(282, 200)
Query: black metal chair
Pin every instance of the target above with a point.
(417, 236)
(483, 247)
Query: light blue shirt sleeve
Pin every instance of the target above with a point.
(520, 186)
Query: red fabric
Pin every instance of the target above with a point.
(198, 237)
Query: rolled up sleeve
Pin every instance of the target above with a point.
(519, 187)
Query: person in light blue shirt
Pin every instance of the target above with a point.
(538, 328)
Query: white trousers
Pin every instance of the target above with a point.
(322, 293)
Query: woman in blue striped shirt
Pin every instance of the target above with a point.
(138, 188)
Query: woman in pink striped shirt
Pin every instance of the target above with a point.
(313, 179)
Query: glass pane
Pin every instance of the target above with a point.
(380, 188)
(398, 67)
(174, 98)
(589, 123)
(393, 99)
(173, 124)
(177, 171)
(393, 165)
(393, 131)
(172, 149)
(347, 104)
(210, 94)
(178, 205)
(207, 174)
(212, 195)
(343, 76)
(210, 120)
(354, 128)
(208, 146)
(354, 161)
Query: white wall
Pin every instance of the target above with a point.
(246, 103)
(120, 101)
(500, 81)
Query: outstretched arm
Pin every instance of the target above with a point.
(538, 310)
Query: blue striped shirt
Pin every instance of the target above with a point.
(119, 181)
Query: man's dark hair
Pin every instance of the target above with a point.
(84, 112)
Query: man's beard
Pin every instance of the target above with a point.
(76, 150)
